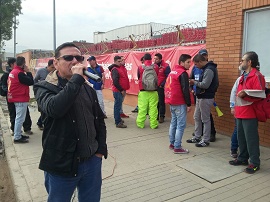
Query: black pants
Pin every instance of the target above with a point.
(161, 102)
(248, 139)
(39, 122)
(12, 115)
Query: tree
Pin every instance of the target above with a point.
(9, 9)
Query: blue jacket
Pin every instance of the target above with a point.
(196, 74)
(96, 85)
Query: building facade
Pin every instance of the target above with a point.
(234, 27)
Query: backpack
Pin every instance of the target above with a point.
(2, 91)
(262, 108)
(149, 78)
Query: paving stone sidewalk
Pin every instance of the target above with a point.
(145, 168)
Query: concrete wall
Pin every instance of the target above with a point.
(225, 21)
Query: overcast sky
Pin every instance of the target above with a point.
(77, 20)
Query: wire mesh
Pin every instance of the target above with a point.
(184, 34)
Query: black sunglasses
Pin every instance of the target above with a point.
(69, 58)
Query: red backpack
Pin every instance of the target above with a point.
(262, 108)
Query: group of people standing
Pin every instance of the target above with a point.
(173, 87)
(72, 112)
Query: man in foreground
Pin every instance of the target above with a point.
(74, 135)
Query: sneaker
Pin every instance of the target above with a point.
(121, 125)
(180, 151)
(21, 140)
(202, 144)
(28, 132)
(135, 110)
(234, 154)
(193, 140)
(124, 116)
(171, 147)
(122, 121)
(25, 136)
(161, 119)
(251, 169)
(236, 162)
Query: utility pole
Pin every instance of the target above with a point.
(15, 43)
(54, 27)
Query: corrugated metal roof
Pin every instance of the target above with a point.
(124, 32)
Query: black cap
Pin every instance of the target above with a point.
(91, 58)
(203, 52)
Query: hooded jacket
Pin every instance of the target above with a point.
(208, 83)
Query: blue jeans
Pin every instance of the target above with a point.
(178, 124)
(21, 109)
(234, 140)
(88, 182)
(121, 110)
(118, 99)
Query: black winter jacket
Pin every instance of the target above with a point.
(60, 138)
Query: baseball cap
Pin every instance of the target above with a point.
(91, 58)
(203, 52)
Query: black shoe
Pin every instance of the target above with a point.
(202, 144)
(234, 153)
(40, 127)
(212, 137)
(193, 140)
(25, 136)
(28, 132)
(121, 125)
(21, 140)
(135, 110)
(236, 162)
(161, 119)
(251, 169)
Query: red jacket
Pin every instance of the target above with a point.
(173, 89)
(161, 73)
(255, 80)
(17, 92)
(123, 78)
(141, 70)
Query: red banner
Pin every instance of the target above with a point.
(133, 61)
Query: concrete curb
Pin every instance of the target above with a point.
(21, 188)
